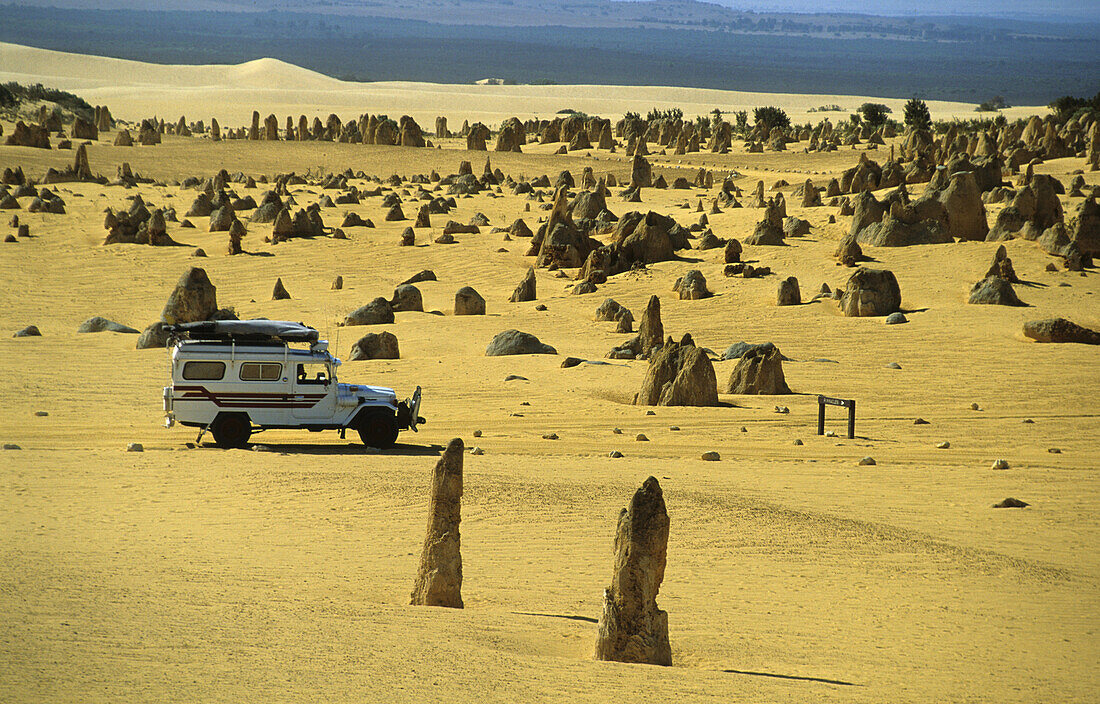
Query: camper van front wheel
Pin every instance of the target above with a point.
(377, 427)
(231, 429)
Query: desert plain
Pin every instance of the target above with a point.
(282, 571)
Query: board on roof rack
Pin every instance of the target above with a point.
(284, 330)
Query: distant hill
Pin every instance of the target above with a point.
(1056, 11)
(947, 20)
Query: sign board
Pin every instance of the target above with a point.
(848, 403)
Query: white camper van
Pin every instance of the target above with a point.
(234, 377)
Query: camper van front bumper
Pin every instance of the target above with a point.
(169, 415)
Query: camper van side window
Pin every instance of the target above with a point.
(203, 371)
(261, 371)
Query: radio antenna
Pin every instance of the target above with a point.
(332, 321)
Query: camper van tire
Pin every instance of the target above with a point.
(377, 427)
(231, 429)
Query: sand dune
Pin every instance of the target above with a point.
(135, 90)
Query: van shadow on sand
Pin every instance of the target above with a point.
(350, 449)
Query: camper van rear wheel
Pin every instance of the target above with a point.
(377, 427)
(231, 429)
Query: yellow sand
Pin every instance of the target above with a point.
(794, 575)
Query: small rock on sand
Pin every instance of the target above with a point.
(135, 447)
(1000, 464)
(710, 456)
(867, 461)
(1011, 503)
(640, 437)
(943, 445)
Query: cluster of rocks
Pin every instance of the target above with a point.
(1035, 213)
(651, 331)
(407, 297)
(139, 224)
(996, 287)
(366, 129)
(43, 200)
(80, 170)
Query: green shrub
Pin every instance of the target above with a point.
(770, 117)
(917, 115)
(68, 101)
(874, 114)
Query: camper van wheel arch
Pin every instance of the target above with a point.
(377, 427)
(231, 429)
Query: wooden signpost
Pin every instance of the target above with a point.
(848, 403)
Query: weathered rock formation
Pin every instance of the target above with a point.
(439, 577)
(377, 312)
(758, 371)
(962, 199)
(650, 335)
(692, 286)
(631, 627)
(637, 239)
(515, 342)
(525, 291)
(475, 138)
(871, 292)
(1033, 209)
(1060, 330)
(679, 374)
(469, 302)
(788, 294)
(375, 346)
(25, 135)
(407, 297)
(279, 293)
(993, 290)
